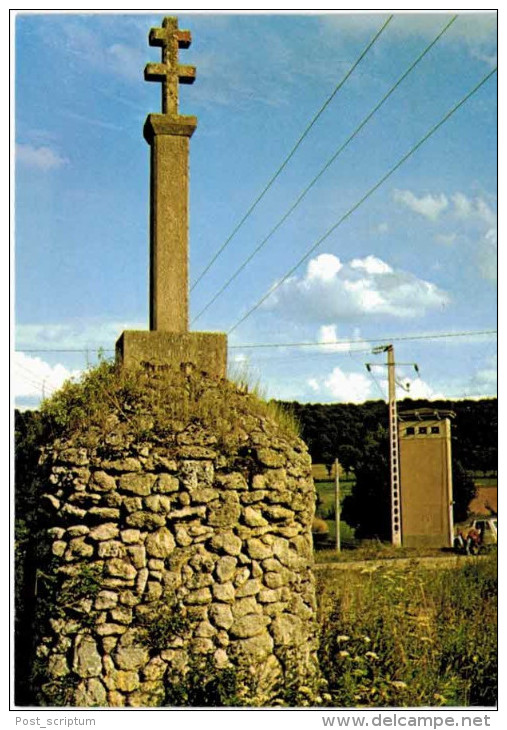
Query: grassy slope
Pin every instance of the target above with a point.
(411, 637)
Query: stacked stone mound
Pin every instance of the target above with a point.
(214, 547)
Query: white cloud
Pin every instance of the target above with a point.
(478, 211)
(324, 267)
(348, 387)
(79, 334)
(89, 43)
(328, 336)
(484, 381)
(371, 265)
(240, 358)
(429, 206)
(313, 384)
(418, 388)
(126, 60)
(485, 212)
(491, 59)
(332, 290)
(33, 377)
(476, 217)
(462, 205)
(475, 30)
(43, 158)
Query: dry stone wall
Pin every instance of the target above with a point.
(157, 555)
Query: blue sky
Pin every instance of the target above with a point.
(417, 257)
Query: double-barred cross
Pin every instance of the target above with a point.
(170, 72)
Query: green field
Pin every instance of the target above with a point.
(325, 509)
(485, 481)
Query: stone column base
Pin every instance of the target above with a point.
(206, 351)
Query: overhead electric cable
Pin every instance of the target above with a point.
(426, 336)
(69, 349)
(364, 198)
(381, 390)
(291, 153)
(387, 338)
(323, 170)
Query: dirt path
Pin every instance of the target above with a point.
(369, 566)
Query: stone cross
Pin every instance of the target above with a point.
(169, 344)
(170, 72)
(168, 135)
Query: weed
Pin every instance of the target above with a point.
(407, 637)
(156, 405)
(170, 623)
(206, 685)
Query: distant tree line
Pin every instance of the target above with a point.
(339, 430)
(357, 435)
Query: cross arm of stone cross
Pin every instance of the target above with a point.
(159, 71)
(170, 38)
(158, 36)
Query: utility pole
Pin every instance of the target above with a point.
(393, 437)
(393, 451)
(337, 503)
(393, 444)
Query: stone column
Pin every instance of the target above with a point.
(169, 142)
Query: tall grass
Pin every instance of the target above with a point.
(410, 637)
(147, 405)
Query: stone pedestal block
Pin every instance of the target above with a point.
(206, 351)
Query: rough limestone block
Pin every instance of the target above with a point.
(86, 661)
(226, 512)
(103, 482)
(159, 351)
(256, 648)
(105, 600)
(160, 544)
(226, 568)
(91, 693)
(130, 654)
(221, 615)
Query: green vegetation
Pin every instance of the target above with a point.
(162, 625)
(203, 685)
(485, 481)
(338, 430)
(410, 637)
(154, 405)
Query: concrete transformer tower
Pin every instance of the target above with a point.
(426, 478)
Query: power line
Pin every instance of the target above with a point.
(306, 357)
(381, 390)
(68, 349)
(364, 198)
(259, 345)
(426, 336)
(322, 171)
(33, 379)
(291, 153)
